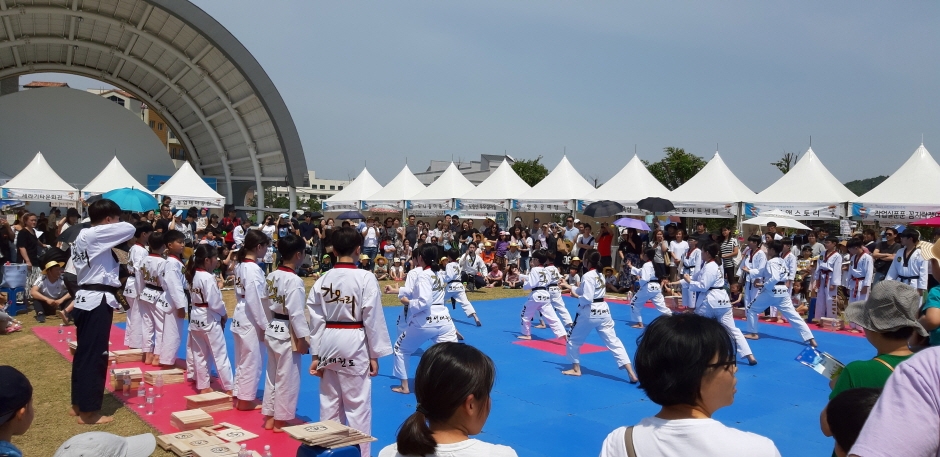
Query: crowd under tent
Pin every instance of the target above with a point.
(909, 194)
(38, 182)
(114, 176)
(401, 188)
(187, 189)
(351, 197)
(808, 191)
(559, 192)
(632, 183)
(714, 192)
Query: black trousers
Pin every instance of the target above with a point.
(477, 280)
(90, 364)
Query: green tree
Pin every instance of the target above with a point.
(676, 168)
(786, 162)
(531, 171)
(861, 186)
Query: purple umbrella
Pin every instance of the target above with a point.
(631, 223)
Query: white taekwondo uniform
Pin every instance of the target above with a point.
(754, 260)
(151, 301)
(554, 291)
(709, 287)
(174, 283)
(205, 330)
(593, 313)
(828, 273)
(348, 329)
(133, 333)
(455, 290)
(775, 293)
(649, 289)
(284, 308)
(248, 326)
(861, 271)
(539, 301)
(428, 319)
(911, 269)
(691, 263)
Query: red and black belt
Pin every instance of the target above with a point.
(342, 324)
(201, 305)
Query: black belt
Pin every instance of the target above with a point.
(342, 324)
(98, 288)
(201, 305)
(437, 304)
(283, 317)
(782, 283)
(553, 285)
(539, 288)
(716, 288)
(908, 278)
(456, 280)
(598, 300)
(153, 287)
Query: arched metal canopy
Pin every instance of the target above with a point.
(179, 61)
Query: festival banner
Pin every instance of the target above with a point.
(385, 204)
(429, 205)
(629, 209)
(180, 201)
(342, 206)
(480, 205)
(704, 210)
(804, 211)
(541, 206)
(893, 213)
(57, 197)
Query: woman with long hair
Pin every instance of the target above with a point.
(207, 319)
(249, 320)
(660, 259)
(428, 318)
(729, 253)
(268, 228)
(449, 412)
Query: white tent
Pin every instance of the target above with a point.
(911, 193)
(187, 189)
(712, 193)
(807, 191)
(630, 185)
(38, 182)
(495, 192)
(350, 197)
(556, 191)
(114, 176)
(402, 187)
(439, 194)
(781, 218)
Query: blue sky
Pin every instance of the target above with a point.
(381, 81)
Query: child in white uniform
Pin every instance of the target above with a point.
(861, 271)
(554, 292)
(826, 278)
(774, 293)
(649, 288)
(149, 272)
(456, 292)
(207, 319)
(286, 334)
(348, 336)
(133, 333)
(428, 318)
(690, 263)
(249, 320)
(174, 283)
(753, 259)
(539, 301)
(593, 313)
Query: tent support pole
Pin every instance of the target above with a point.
(740, 218)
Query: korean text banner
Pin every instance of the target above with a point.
(542, 206)
(893, 213)
(704, 210)
(810, 211)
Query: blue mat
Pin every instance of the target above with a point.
(541, 413)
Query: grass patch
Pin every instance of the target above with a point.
(50, 376)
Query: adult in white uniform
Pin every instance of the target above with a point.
(456, 292)
(648, 289)
(686, 365)
(286, 334)
(826, 278)
(861, 271)
(594, 314)
(713, 301)
(133, 332)
(774, 293)
(554, 292)
(249, 320)
(239, 234)
(448, 414)
(472, 267)
(96, 269)
(174, 283)
(691, 263)
(207, 319)
(149, 274)
(909, 265)
(428, 317)
(539, 301)
(348, 336)
(753, 259)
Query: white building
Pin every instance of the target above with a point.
(316, 188)
(475, 171)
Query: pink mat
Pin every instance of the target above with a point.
(557, 346)
(172, 399)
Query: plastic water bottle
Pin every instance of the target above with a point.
(68, 337)
(141, 391)
(61, 331)
(267, 451)
(159, 385)
(126, 381)
(151, 402)
(243, 452)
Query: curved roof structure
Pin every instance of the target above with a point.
(179, 61)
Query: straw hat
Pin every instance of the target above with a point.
(381, 259)
(610, 269)
(514, 245)
(575, 258)
(364, 257)
(50, 264)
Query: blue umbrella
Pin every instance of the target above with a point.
(632, 223)
(130, 199)
(351, 215)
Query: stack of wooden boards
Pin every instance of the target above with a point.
(117, 377)
(128, 355)
(328, 434)
(219, 440)
(171, 376)
(210, 402)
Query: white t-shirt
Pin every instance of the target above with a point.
(370, 237)
(53, 290)
(468, 448)
(684, 437)
(679, 249)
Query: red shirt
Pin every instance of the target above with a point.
(603, 244)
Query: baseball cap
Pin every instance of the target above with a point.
(15, 392)
(284, 216)
(179, 213)
(577, 220)
(101, 443)
(517, 219)
(892, 305)
(536, 221)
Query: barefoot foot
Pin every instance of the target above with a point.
(207, 390)
(752, 336)
(812, 342)
(637, 326)
(751, 360)
(279, 425)
(245, 405)
(400, 390)
(269, 422)
(540, 326)
(92, 418)
(524, 337)
(571, 372)
(73, 411)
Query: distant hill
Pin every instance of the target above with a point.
(860, 186)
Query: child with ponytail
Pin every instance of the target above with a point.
(207, 319)
(248, 320)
